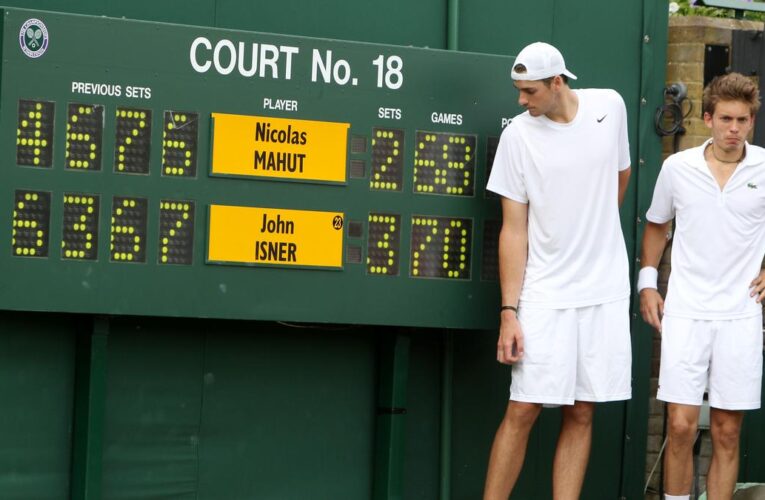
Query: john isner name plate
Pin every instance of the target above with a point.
(275, 236)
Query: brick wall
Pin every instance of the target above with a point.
(688, 38)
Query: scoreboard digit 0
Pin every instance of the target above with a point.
(441, 247)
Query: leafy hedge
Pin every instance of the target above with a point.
(687, 8)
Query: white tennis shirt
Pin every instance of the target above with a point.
(568, 174)
(719, 238)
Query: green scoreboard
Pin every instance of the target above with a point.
(157, 169)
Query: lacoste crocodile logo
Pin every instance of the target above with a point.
(751, 185)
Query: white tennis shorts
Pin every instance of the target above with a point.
(580, 354)
(723, 355)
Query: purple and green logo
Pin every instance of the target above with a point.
(33, 38)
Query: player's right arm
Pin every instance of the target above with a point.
(659, 216)
(654, 241)
(513, 252)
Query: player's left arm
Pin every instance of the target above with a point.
(758, 287)
(623, 145)
(624, 180)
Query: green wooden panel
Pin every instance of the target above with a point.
(420, 24)
(287, 413)
(89, 408)
(645, 170)
(603, 479)
(423, 416)
(153, 408)
(752, 466)
(234, 413)
(505, 27)
(424, 25)
(480, 397)
(36, 387)
(197, 12)
(93, 7)
(390, 425)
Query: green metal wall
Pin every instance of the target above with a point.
(216, 411)
(226, 409)
(37, 390)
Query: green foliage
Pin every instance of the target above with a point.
(686, 8)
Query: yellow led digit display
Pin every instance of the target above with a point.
(84, 131)
(176, 232)
(31, 223)
(384, 236)
(128, 229)
(179, 144)
(80, 238)
(444, 163)
(34, 133)
(440, 247)
(132, 143)
(387, 159)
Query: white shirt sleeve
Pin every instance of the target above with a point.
(624, 141)
(662, 207)
(506, 177)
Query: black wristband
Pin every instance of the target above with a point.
(512, 308)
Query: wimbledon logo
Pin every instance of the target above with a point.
(33, 38)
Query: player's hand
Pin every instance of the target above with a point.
(758, 287)
(651, 307)
(510, 343)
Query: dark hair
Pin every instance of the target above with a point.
(731, 87)
(521, 69)
(548, 81)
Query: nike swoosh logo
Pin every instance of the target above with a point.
(602, 118)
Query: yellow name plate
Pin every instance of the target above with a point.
(258, 146)
(275, 236)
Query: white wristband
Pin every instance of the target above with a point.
(648, 278)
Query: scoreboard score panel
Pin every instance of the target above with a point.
(336, 182)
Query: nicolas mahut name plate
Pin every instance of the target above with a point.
(279, 148)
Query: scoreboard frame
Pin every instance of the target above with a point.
(411, 131)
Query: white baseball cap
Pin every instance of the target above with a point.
(541, 60)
